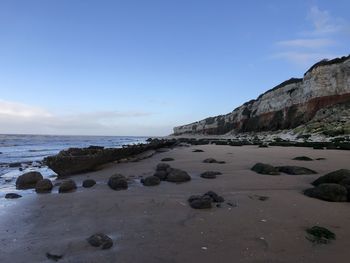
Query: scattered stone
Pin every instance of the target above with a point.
(212, 160)
(320, 159)
(162, 175)
(28, 180)
(15, 165)
(263, 168)
(200, 202)
(320, 235)
(177, 176)
(328, 192)
(12, 196)
(210, 174)
(150, 181)
(162, 150)
(162, 167)
(88, 183)
(303, 158)
(333, 177)
(259, 197)
(67, 186)
(215, 197)
(100, 240)
(295, 170)
(263, 145)
(168, 159)
(197, 151)
(43, 186)
(118, 182)
(54, 257)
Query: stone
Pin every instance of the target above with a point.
(178, 176)
(162, 167)
(162, 175)
(263, 145)
(12, 196)
(303, 158)
(44, 186)
(150, 181)
(328, 192)
(168, 159)
(263, 168)
(54, 257)
(67, 186)
(215, 197)
(295, 170)
(100, 240)
(333, 177)
(197, 151)
(118, 182)
(212, 160)
(28, 180)
(320, 235)
(210, 174)
(88, 183)
(200, 202)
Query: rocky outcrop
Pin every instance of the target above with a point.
(286, 106)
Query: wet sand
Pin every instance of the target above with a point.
(156, 224)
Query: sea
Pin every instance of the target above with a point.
(24, 153)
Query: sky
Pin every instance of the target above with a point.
(84, 67)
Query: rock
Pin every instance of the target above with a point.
(197, 151)
(210, 174)
(320, 159)
(333, 177)
(212, 160)
(161, 175)
(303, 158)
(263, 145)
(215, 197)
(178, 176)
(67, 186)
(43, 186)
(15, 165)
(100, 240)
(295, 170)
(263, 168)
(168, 159)
(346, 183)
(200, 202)
(88, 183)
(28, 180)
(320, 235)
(150, 181)
(162, 167)
(12, 196)
(54, 257)
(328, 192)
(118, 182)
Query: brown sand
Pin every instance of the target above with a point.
(155, 224)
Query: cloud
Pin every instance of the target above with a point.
(21, 118)
(303, 58)
(307, 43)
(323, 23)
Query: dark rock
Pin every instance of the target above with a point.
(43, 186)
(295, 170)
(67, 186)
(210, 174)
(100, 240)
(150, 181)
(93, 147)
(178, 176)
(168, 159)
(162, 167)
(320, 159)
(12, 196)
(328, 192)
(15, 165)
(320, 235)
(215, 197)
(318, 147)
(54, 257)
(200, 202)
(263, 168)
(118, 182)
(161, 175)
(28, 180)
(197, 151)
(303, 158)
(333, 177)
(263, 145)
(88, 183)
(212, 160)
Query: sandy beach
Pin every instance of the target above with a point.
(156, 224)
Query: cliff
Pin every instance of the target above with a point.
(286, 106)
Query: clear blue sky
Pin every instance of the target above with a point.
(142, 67)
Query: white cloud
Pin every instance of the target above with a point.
(21, 118)
(323, 23)
(303, 58)
(307, 43)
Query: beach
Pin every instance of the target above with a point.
(156, 223)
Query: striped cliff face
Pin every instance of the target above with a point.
(288, 105)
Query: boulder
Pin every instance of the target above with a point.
(295, 170)
(118, 182)
(328, 192)
(303, 158)
(168, 159)
(162, 167)
(150, 181)
(333, 177)
(320, 235)
(263, 168)
(88, 183)
(67, 186)
(28, 180)
(161, 175)
(100, 240)
(212, 160)
(215, 197)
(210, 174)
(263, 145)
(200, 202)
(178, 176)
(197, 151)
(12, 196)
(43, 186)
